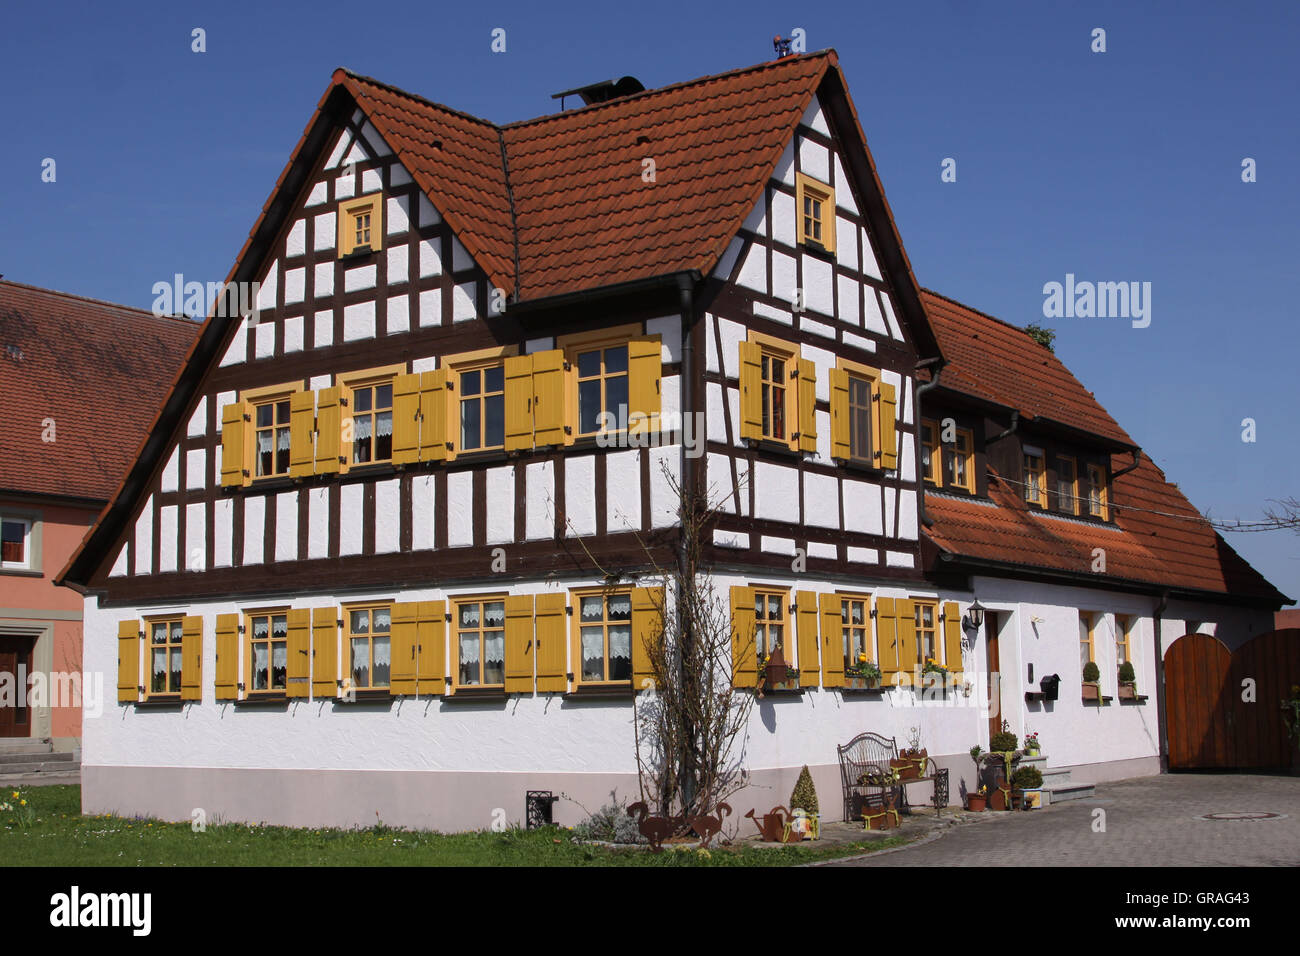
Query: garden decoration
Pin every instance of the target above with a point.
(654, 829)
(773, 826)
(706, 826)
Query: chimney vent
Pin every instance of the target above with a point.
(600, 92)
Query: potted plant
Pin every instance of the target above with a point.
(1031, 744)
(977, 801)
(934, 674)
(862, 674)
(1026, 786)
(1091, 681)
(1127, 681)
(1003, 744)
(914, 758)
(803, 799)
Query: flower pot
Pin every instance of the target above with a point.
(1000, 798)
(1031, 751)
(1128, 691)
(1032, 799)
(977, 802)
(1091, 690)
(906, 767)
(861, 683)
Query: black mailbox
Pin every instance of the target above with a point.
(1050, 686)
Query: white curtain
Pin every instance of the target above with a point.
(385, 420)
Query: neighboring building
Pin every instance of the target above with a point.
(81, 382)
(375, 557)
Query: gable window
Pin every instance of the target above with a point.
(931, 456)
(361, 225)
(778, 397)
(271, 426)
(854, 621)
(165, 635)
(481, 642)
(482, 407)
(15, 549)
(959, 470)
(775, 377)
(860, 448)
(605, 635)
(268, 651)
(816, 203)
(1098, 493)
(1035, 479)
(927, 647)
(368, 645)
(368, 420)
(1067, 485)
(770, 622)
(602, 387)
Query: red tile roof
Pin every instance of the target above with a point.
(99, 370)
(585, 217)
(1158, 537)
(998, 362)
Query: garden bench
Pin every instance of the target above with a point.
(865, 775)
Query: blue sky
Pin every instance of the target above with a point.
(1115, 166)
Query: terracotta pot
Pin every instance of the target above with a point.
(906, 768)
(1000, 799)
(976, 802)
(1091, 691)
(1128, 691)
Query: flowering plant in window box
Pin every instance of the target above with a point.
(862, 674)
(776, 674)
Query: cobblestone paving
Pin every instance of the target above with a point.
(1150, 821)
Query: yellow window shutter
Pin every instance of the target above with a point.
(550, 627)
(302, 428)
(841, 446)
(647, 632)
(887, 638)
(809, 669)
(832, 640)
(751, 391)
(548, 394)
(519, 644)
(235, 422)
(952, 636)
(298, 677)
(406, 419)
(401, 675)
(128, 661)
(905, 612)
(644, 368)
(433, 415)
(888, 432)
(519, 402)
(227, 680)
(324, 652)
(329, 431)
(744, 647)
(431, 647)
(192, 658)
(807, 405)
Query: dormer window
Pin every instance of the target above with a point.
(1035, 478)
(1098, 493)
(361, 225)
(816, 204)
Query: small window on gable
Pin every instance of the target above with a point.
(931, 456)
(1035, 479)
(816, 213)
(1098, 493)
(15, 548)
(1067, 486)
(361, 226)
(959, 463)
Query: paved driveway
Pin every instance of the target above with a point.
(1149, 821)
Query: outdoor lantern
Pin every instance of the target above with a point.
(975, 615)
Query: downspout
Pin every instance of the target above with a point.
(938, 363)
(1127, 468)
(1161, 715)
(1015, 424)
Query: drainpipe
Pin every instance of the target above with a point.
(938, 363)
(1015, 424)
(1161, 715)
(1127, 468)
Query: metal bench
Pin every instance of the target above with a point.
(865, 775)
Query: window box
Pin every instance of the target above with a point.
(1128, 690)
(1091, 690)
(861, 683)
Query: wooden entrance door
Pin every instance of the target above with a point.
(994, 676)
(15, 721)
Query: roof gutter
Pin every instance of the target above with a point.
(936, 364)
(669, 281)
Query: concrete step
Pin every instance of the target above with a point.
(46, 756)
(1055, 776)
(1069, 791)
(42, 766)
(23, 745)
(40, 779)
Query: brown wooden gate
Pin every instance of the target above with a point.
(1209, 723)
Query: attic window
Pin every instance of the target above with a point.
(816, 204)
(361, 225)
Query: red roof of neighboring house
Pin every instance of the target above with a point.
(100, 371)
(1158, 537)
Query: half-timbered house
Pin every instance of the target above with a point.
(389, 547)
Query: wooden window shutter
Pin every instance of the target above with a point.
(227, 679)
(298, 677)
(832, 641)
(324, 652)
(647, 631)
(192, 658)
(519, 644)
(401, 676)
(548, 398)
(751, 391)
(302, 427)
(809, 670)
(329, 431)
(235, 421)
(807, 405)
(952, 636)
(841, 446)
(431, 647)
(644, 388)
(433, 415)
(905, 612)
(550, 627)
(887, 638)
(519, 402)
(406, 419)
(128, 661)
(888, 431)
(744, 646)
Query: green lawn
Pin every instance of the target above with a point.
(56, 834)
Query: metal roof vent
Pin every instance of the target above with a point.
(600, 92)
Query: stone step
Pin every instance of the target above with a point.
(40, 779)
(1055, 776)
(45, 756)
(1070, 791)
(41, 766)
(24, 745)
